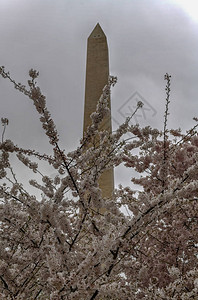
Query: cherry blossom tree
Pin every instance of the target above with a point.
(70, 242)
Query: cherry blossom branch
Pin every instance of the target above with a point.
(167, 78)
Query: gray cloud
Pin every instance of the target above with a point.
(146, 39)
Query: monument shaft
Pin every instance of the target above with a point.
(97, 73)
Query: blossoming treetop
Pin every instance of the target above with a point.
(61, 246)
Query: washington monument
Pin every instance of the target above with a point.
(97, 73)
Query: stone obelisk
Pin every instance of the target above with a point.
(97, 73)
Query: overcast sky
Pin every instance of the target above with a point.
(146, 39)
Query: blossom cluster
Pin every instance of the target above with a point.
(73, 243)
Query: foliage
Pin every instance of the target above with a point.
(71, 243)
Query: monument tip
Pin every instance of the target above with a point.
(97, 32)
